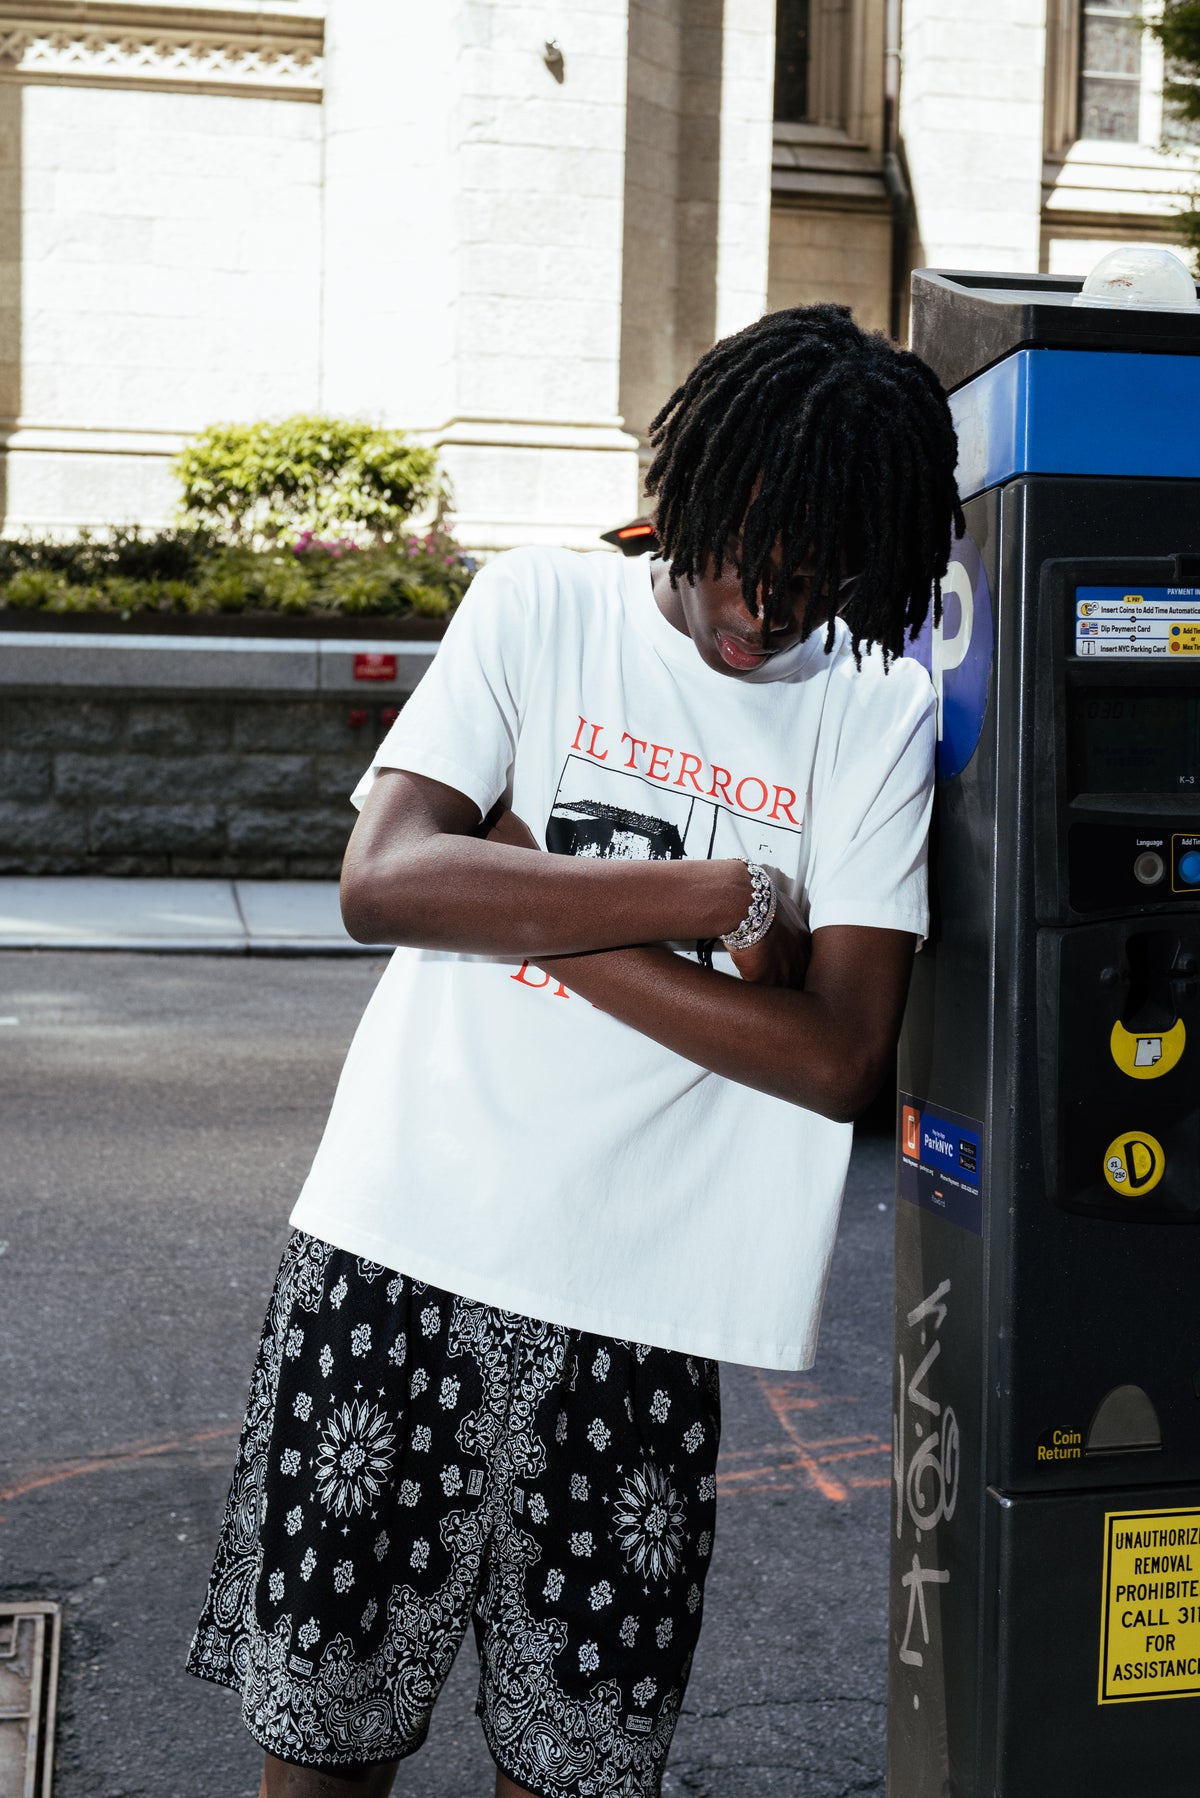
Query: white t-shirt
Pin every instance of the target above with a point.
(504, 1139)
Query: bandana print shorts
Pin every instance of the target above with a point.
(412, 1461)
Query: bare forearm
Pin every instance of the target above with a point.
(423, 869)
(788, 1043)
(486, 898)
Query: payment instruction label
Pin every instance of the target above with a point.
(1150, 1615)
(940, 1163)
(1147, 621)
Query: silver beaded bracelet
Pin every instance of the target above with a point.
(761, 915)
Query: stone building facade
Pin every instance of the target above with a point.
(511, 227)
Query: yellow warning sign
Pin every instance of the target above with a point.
(1143, 1055)
(1150, 1614)
(1134, 1163)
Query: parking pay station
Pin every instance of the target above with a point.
(1045, 1529)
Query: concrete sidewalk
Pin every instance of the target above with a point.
(224, 917)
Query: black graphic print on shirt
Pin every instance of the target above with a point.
(609, 812)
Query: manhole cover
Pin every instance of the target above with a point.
(28, 1685)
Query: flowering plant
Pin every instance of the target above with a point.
(190, 573)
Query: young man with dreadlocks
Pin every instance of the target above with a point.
(594, 1127)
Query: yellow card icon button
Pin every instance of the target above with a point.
(1144, 1055)
(1134, 1163)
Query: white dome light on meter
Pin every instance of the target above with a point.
(1143, 276)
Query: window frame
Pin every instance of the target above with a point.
(1064, 54)
(1105, 189)
(845, 70)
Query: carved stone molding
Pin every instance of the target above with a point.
(821, 169)
(188, 49)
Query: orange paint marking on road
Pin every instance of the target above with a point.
(733, 1479)
(744, 1454)
(841, 1441)
(120, 1457)
(736, 1476)
(773, 1486)
(799, 1401)
(851, 1454)
(793, 1400)
(782, 1401)
(771, 1465)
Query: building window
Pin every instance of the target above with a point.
(791, 61)
(1110, 71)
(1105, 75)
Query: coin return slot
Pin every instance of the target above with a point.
(1125, 1423)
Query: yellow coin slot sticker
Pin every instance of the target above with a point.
(1145, 1055)
(1134, 1163)
(1150, 1610)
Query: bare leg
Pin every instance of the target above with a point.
(282, 1780)
(506, 1789)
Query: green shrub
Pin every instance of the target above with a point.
(184, 573)
(164, 556)
(270, 483)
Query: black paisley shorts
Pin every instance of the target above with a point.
(413, 1461)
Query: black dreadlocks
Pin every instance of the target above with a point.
(805, 432)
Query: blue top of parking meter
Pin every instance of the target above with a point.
(1041, 385)
(962, 323)
(1078, 412)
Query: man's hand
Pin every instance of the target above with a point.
(782, 958)
(420, 869)
(823, 1038)
(420, 864)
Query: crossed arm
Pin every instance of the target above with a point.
(418, 871)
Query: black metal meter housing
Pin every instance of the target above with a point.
(1045, 1582)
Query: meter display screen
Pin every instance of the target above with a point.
(1133, 740)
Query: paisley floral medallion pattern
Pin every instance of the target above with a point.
(649, 1519)
(354, 1457)
(413, 1462)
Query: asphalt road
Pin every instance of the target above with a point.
(158, 1115)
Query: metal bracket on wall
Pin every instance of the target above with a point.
(29, 1640)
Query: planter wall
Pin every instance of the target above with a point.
(172, 755)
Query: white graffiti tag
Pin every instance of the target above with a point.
(916, 1582)
(925, 1461)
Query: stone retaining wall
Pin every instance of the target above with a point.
(112, 777)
